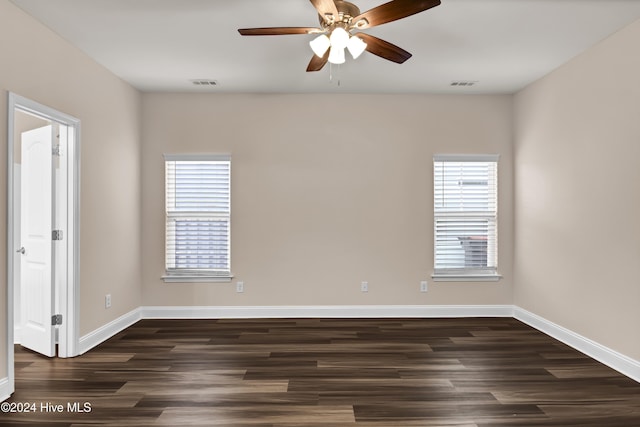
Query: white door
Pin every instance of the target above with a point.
(36, 267)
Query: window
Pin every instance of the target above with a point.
(465, 217)
(198, 218)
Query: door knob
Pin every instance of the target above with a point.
(22, 250)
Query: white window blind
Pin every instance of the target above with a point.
(466, 215)
(198, 215)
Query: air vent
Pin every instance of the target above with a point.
(204, 82)
(463, 82)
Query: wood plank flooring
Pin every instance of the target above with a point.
(472, 372)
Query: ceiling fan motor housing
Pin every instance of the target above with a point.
(346, 12)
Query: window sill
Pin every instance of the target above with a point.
(193, 278)
(461, 277)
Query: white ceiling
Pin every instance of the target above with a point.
(160, 45)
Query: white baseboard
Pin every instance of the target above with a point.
(621, 363)
(103, 333)
(611, 358)
(333, 311)
(5, 389)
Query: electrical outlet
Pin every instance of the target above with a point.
(364, 286)
(423, 286)
(239, 287)
(107, 301)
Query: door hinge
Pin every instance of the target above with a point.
(57, 151)
(56, 319)
(56, 235)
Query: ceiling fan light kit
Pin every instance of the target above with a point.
(320, 45)
(339, 38)
(336, 56)
(356, 46)
(338, 18)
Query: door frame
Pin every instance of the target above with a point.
(69, 298)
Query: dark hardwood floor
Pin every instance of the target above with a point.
(471, 372)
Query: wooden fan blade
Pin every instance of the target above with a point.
(278, 31)
(384, 49)
(326, 8)
(317, 63)
(392, 11)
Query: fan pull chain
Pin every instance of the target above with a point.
(331, 74)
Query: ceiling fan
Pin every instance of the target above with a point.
(338, 18)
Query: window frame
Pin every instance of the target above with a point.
(192, 275)
(464, 274)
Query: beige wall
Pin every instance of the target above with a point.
(577, 203)
(327, 191)
(37, 64)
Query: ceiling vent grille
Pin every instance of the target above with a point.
(463, 82)
(204, 82)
